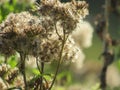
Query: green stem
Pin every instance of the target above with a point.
(37, 62)
(106, 14)
(22, 68)
(42, 72)
(60, 37)
(59, 61)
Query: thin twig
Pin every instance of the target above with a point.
(42, 72)
(106, 15)
(22, 67)
(37, 62)
(103, 77)
(106, 48)
(60, 59)
(57, 30)
(46, 83)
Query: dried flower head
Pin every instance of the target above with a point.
(19, 82)
(3, 69)
(67, 13)
(21, 24)
(83, 34)
(18, 32)
(50, 50)
(11, 75)
(2, 85)
(42, 37)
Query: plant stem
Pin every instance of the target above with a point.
(106, 45)
(60, 59)
(103, 77)
(57, 31)
(42, 72)
(22, 68)
(59, 62)
(37, 62)
(106, 15)
(5, 59)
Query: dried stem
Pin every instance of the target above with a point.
(103, 77)
(106, 15)
(57, 30)
(42, 72)
(60, 59)
(22, 68)
(106, 45)
(37, 62)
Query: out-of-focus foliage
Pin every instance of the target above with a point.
(64, 78)
(96, 87)
(15, 6)
(12, 61)
(117, 58)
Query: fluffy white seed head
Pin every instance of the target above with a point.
(83, 34)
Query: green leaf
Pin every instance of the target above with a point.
(35, 71)
(12, 61)
(67, 75)
(48, 77)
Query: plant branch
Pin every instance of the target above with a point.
(108, 56)
(57, 30)
(38, 64)
(103, 77)
(42, 72)
(106, 15)
(22, 68)
(60, 59)
(46, 83)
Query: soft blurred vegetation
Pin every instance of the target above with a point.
(87, 77)
(15, 6)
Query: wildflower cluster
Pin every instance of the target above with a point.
(47, 37)
(7, 76)
(18, 31)
(68, 13)
(23, 32)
